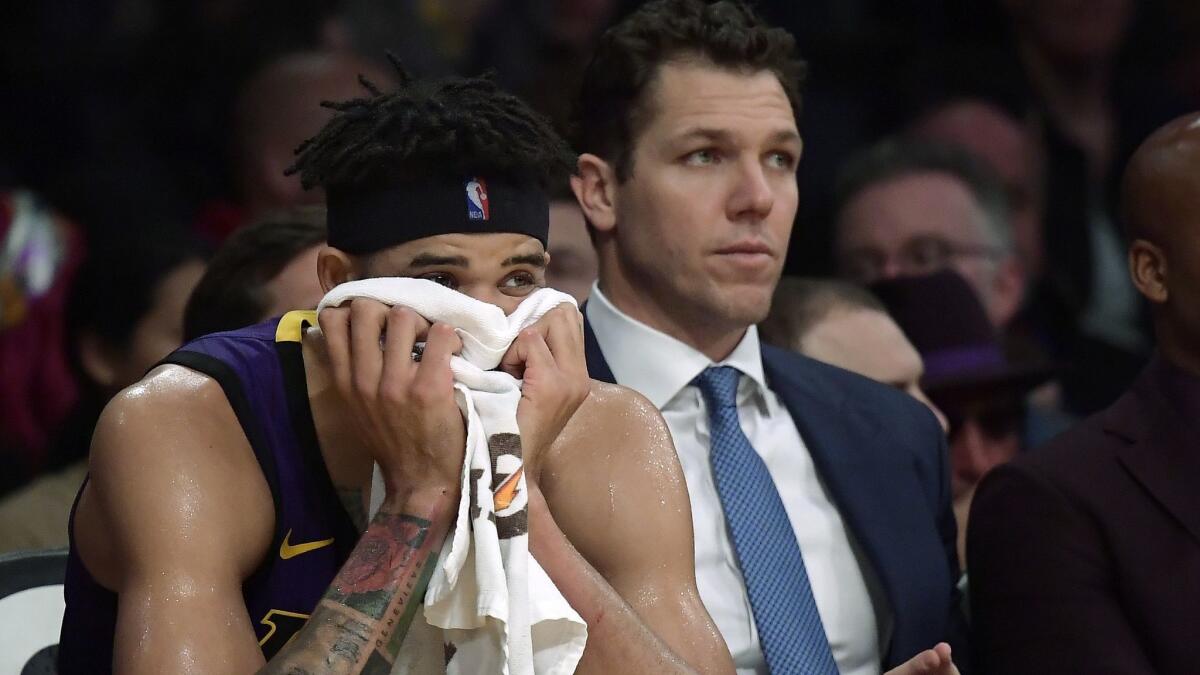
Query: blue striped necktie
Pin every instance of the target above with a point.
(785, 612)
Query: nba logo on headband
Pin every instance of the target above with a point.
(477, 199)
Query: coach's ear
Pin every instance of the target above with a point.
(334, 266)
(595, 187)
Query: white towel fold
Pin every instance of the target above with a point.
(489, 608)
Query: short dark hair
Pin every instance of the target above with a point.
(896, 158)
(117, 284)
(232, 292)
(449, 127)
(800, 304)
(612, 108)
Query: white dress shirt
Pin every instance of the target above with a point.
(662, 368)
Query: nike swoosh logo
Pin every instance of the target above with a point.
(288, 550)
(507, 492)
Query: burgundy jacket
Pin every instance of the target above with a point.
(1084, 556)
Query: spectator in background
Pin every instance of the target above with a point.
(572, 268)
(125, 312)
(1008, 148)
(1085, 555)
(966, 375)
(1013, 154)
(119, 111)
(1185, 15)
(538, 48)
(39, 254)
(431, 37)
(1091, 108)
(261, 271)
(276, 110)
(908, 209)
(844, 325)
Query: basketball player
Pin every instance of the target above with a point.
(222, 527)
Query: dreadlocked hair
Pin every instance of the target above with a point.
(451, 126)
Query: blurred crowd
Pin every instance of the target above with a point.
(959, 181)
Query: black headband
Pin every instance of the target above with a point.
(366, 221)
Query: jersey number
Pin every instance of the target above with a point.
(281, 628)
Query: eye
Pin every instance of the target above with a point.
(442, 278)
(703, 157)
(928, 254)
(864, 265)
(781, 160)
(518, 280)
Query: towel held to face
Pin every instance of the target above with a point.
(489, 607)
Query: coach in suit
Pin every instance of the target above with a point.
(824, 537)
(1085, 555)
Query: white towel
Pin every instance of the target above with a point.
(489, 608)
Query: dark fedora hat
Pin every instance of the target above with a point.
(944, 319)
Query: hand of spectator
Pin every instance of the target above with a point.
(936, 661)
(404, 408)
(549, 357)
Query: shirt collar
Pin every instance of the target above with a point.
(656, 364)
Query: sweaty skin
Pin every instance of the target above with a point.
(177, 513)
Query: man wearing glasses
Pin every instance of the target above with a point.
(966, 375)
(910, 209)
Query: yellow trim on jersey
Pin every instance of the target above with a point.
(266, 621)
(291, 325)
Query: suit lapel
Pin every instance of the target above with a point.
(596, 364)
(1163, 454)
(871, 483)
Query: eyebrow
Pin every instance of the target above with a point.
(705, 133)
(720, 135)
(786, 136)
(534, 259)
(432, 260)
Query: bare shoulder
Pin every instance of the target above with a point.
(615, 417)
(621, 408)
(167, 392)
(618, 434)
(168, 460)
(173, 414)
(615, 487)
(615, 398)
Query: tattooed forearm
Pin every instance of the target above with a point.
(361, 622)
(368, 580)
(347, 648)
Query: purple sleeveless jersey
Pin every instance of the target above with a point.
(261, 371)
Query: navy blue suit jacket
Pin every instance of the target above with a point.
(882, 456)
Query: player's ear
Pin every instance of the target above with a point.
(334, 266)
